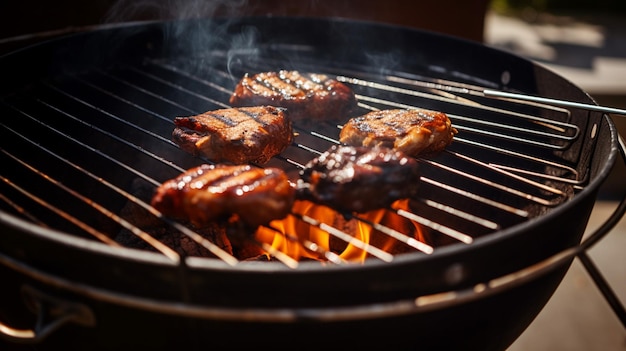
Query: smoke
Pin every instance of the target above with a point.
(178, 14)
(184, 28)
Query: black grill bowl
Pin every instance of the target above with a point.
(478, 296)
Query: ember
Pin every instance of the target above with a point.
(313, 231)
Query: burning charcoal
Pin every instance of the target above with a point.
(178, 241)
(154, 226)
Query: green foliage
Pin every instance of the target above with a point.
(560, 5)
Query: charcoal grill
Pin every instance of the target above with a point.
(86, 123)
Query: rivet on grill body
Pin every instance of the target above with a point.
(454, 274)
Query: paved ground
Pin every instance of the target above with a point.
(591, 52)
(578, 318)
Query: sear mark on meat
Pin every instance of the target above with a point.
(209, 193)
(415, 132)
(307, 96)
(359, 179)
(235, 135)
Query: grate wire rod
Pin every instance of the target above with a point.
(183, 229)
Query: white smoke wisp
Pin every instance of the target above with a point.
(178, 16)
(191, 26)
(184, 26)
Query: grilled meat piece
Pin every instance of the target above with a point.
(209, 193)
(414, 132)
(360, 179)
(236, 135)
(307, 96)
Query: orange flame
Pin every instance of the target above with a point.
(315, 230)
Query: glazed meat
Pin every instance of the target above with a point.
(309, 96)
(414, 132)
(359, 179)
(209, 193)
(236, 135)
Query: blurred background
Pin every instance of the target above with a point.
(584, 41)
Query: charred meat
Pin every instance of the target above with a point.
(236, 135)
(308, 97)
(209, 193)
(358, 179)
(414, 132)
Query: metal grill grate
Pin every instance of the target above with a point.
(79, 147)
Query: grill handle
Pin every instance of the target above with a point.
(52, 313)
(555, 102)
